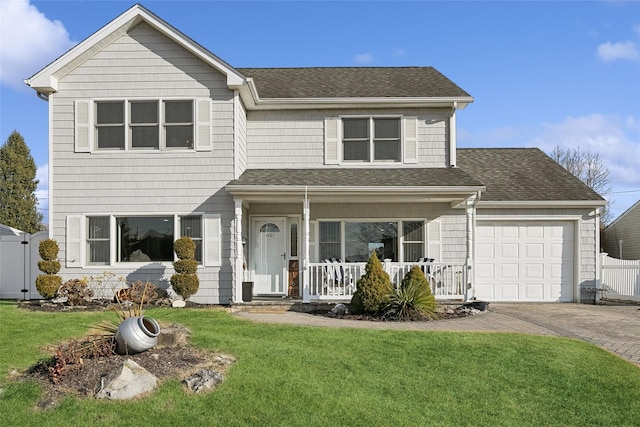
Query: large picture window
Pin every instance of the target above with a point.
(141, 238)
(370, 139)
(362, 237)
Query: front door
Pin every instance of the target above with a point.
(269, 243)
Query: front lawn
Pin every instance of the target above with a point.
(288, 375)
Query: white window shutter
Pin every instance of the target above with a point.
(212, 241)
(74, 241)
(331, 141)
(434, 238)
(410, 139)
(203, 125)
(82, 121)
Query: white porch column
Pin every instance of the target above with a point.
(239, 268)
(470, 212)
(305, 251)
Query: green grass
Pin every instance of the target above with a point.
(301, 376)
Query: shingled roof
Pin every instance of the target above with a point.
(522, 174)
(352, 82)
(358, 177)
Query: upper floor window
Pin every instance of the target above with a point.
(144, 124)
(369, 139)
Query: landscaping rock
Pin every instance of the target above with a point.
(203, 381)
(340, 309)
(179, 303)
(173, 336)
(128, 381)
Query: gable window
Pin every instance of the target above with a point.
(144, 125)
(148, 124)
(370, 139)
(110, 125)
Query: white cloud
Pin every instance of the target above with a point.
(626, 50)
(616, 139)
(363, 58)
(28, 40)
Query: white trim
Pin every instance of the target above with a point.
(453, 143)
(47, 79)
(541, 204)
(353, 102)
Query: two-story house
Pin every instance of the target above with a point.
(290, 177)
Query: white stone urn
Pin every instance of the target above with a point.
(137, 334)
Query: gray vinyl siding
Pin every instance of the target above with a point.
(585, 234)
(295, 139)
(145, 64)
(627, 229)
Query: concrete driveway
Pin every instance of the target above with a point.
(613, 327)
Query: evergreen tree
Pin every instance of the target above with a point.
(18, 202)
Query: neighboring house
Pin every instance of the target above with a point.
(273, 172)
(621, 238)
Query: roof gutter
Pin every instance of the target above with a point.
(312, 103)
(539, 204)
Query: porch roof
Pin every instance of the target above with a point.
(359, 184)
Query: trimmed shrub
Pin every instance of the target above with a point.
(189, 266)
(185, 281)
(373, 288)
(49, 267)
(48, 285)
(48, 250)
(414, 299)
(76, 291)
(185, 284)
(185, 248)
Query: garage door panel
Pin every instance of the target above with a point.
(509, 250)
(486, 250)
(534, 250)
(534, 260)
(534, 271)
(534, 291)
(509, 271)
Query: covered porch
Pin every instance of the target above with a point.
(311, 240)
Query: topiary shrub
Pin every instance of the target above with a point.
(414, 300)
(185, 281)
(373, 288)
(48, 250)
(185, 284)
(76, 291)
(185, 248)
(48, 284)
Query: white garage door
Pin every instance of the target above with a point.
(530, 261)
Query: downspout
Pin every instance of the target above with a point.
(452, 136)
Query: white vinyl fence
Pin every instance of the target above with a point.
(620, 278)
(19, 265)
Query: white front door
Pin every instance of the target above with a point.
(269, 256)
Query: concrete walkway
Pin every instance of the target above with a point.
(613, 327)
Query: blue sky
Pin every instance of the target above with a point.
(542, 73)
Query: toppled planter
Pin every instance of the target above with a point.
(137, 334)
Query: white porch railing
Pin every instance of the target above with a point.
(621, 278)
(335, 280)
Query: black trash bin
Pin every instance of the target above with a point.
(247, 291)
